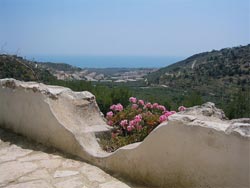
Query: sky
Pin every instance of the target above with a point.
(122, 27)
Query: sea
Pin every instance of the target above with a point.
(110, 61)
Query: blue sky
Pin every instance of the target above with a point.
(122, 27)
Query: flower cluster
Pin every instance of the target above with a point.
(117, 107)
(135, 122)
(138, 117)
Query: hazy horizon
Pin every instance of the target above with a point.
(109, 61)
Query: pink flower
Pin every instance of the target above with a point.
(167, 113)
(141, 102)
(129, 128)
(119, 107)
(112, 107)
(155, 105)
(162, 108)
(132, 123)
(181, 108)
(149, 105)
(138, 118)
(162, 118)
(132, 99)
(110, 122)
(109, 114)
(134, 106)
(123, 123)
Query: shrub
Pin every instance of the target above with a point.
(133, 123)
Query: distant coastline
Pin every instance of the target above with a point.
(109, 61)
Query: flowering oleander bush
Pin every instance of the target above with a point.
(135, 122)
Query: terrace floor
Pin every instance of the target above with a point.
(24, 163)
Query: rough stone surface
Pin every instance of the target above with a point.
(195, 148)
(10, 171)
(31, 165)
(40, 112)
(33, 184)
(206, 110)
(72, 183)
(64, 173)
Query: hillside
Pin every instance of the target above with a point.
(221, 76)
(229, 66)
(12, 66)
(58, 66)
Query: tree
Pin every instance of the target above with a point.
(240, 106)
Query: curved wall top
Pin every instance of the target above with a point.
(195, 148)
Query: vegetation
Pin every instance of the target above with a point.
(239, 106)
(220, 76)
(105, 96)
(133, 123)
(227, 66)
(12, 66)
(217, 76)
(58, 66)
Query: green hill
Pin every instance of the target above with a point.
(221, 76)
(58, 67)
(229, 66)
(12, 66)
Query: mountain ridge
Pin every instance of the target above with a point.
(215, 64)
(220, 76)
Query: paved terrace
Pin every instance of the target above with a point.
(24, 163)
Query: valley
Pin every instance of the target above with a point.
(220, 76)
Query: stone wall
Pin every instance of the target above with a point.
(195, 148)
(52, 115)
